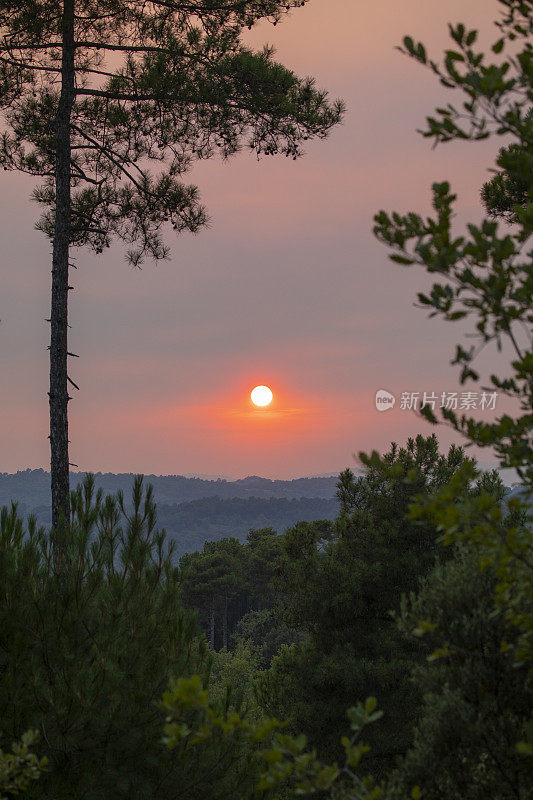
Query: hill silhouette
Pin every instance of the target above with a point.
(194, 510)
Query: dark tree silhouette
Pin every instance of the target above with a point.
(94, 90)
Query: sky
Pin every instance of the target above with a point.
(287, 287)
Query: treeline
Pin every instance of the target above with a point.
(296, 626)
(191, 524)
(328, 612)
(31, 488)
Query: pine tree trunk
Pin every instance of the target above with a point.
(212, 624)
(58, 395)
(225, 624)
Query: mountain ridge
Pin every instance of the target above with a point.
(31, 488)
(193, 510)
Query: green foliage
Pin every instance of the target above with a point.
(510, 186)
(235, 671)
(210, 581)
(339, 583)
(191, 524)
(488, 277)
(20, 767)
(486, 273)
(229, 579)
(485, 276)
(87, 647)
(284, 759)
(166, 83)
(266, 632)
(476, 701)
(499, 535)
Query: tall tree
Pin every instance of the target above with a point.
(94, 90)
(484, 275)
(85, 660)
(340, 581)
(476, 701)
(209, 581)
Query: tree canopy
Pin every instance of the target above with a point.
(165, 83)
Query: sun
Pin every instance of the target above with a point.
(261, 396)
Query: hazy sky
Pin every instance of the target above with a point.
(287, 287)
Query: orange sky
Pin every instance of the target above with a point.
(286, 288)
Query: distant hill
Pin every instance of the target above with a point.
(191, 524)
(194, 510)
(32, 487)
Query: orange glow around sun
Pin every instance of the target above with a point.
(261, 396)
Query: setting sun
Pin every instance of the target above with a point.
(261, 396)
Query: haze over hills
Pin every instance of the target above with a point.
(194, 510)
(31, 488)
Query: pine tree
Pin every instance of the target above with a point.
(210, 580)
(340, 583)
(87, 652)
(93, 91)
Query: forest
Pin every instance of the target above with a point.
(386, 651)
(220, 509)
(291, 626)
(31, 488)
